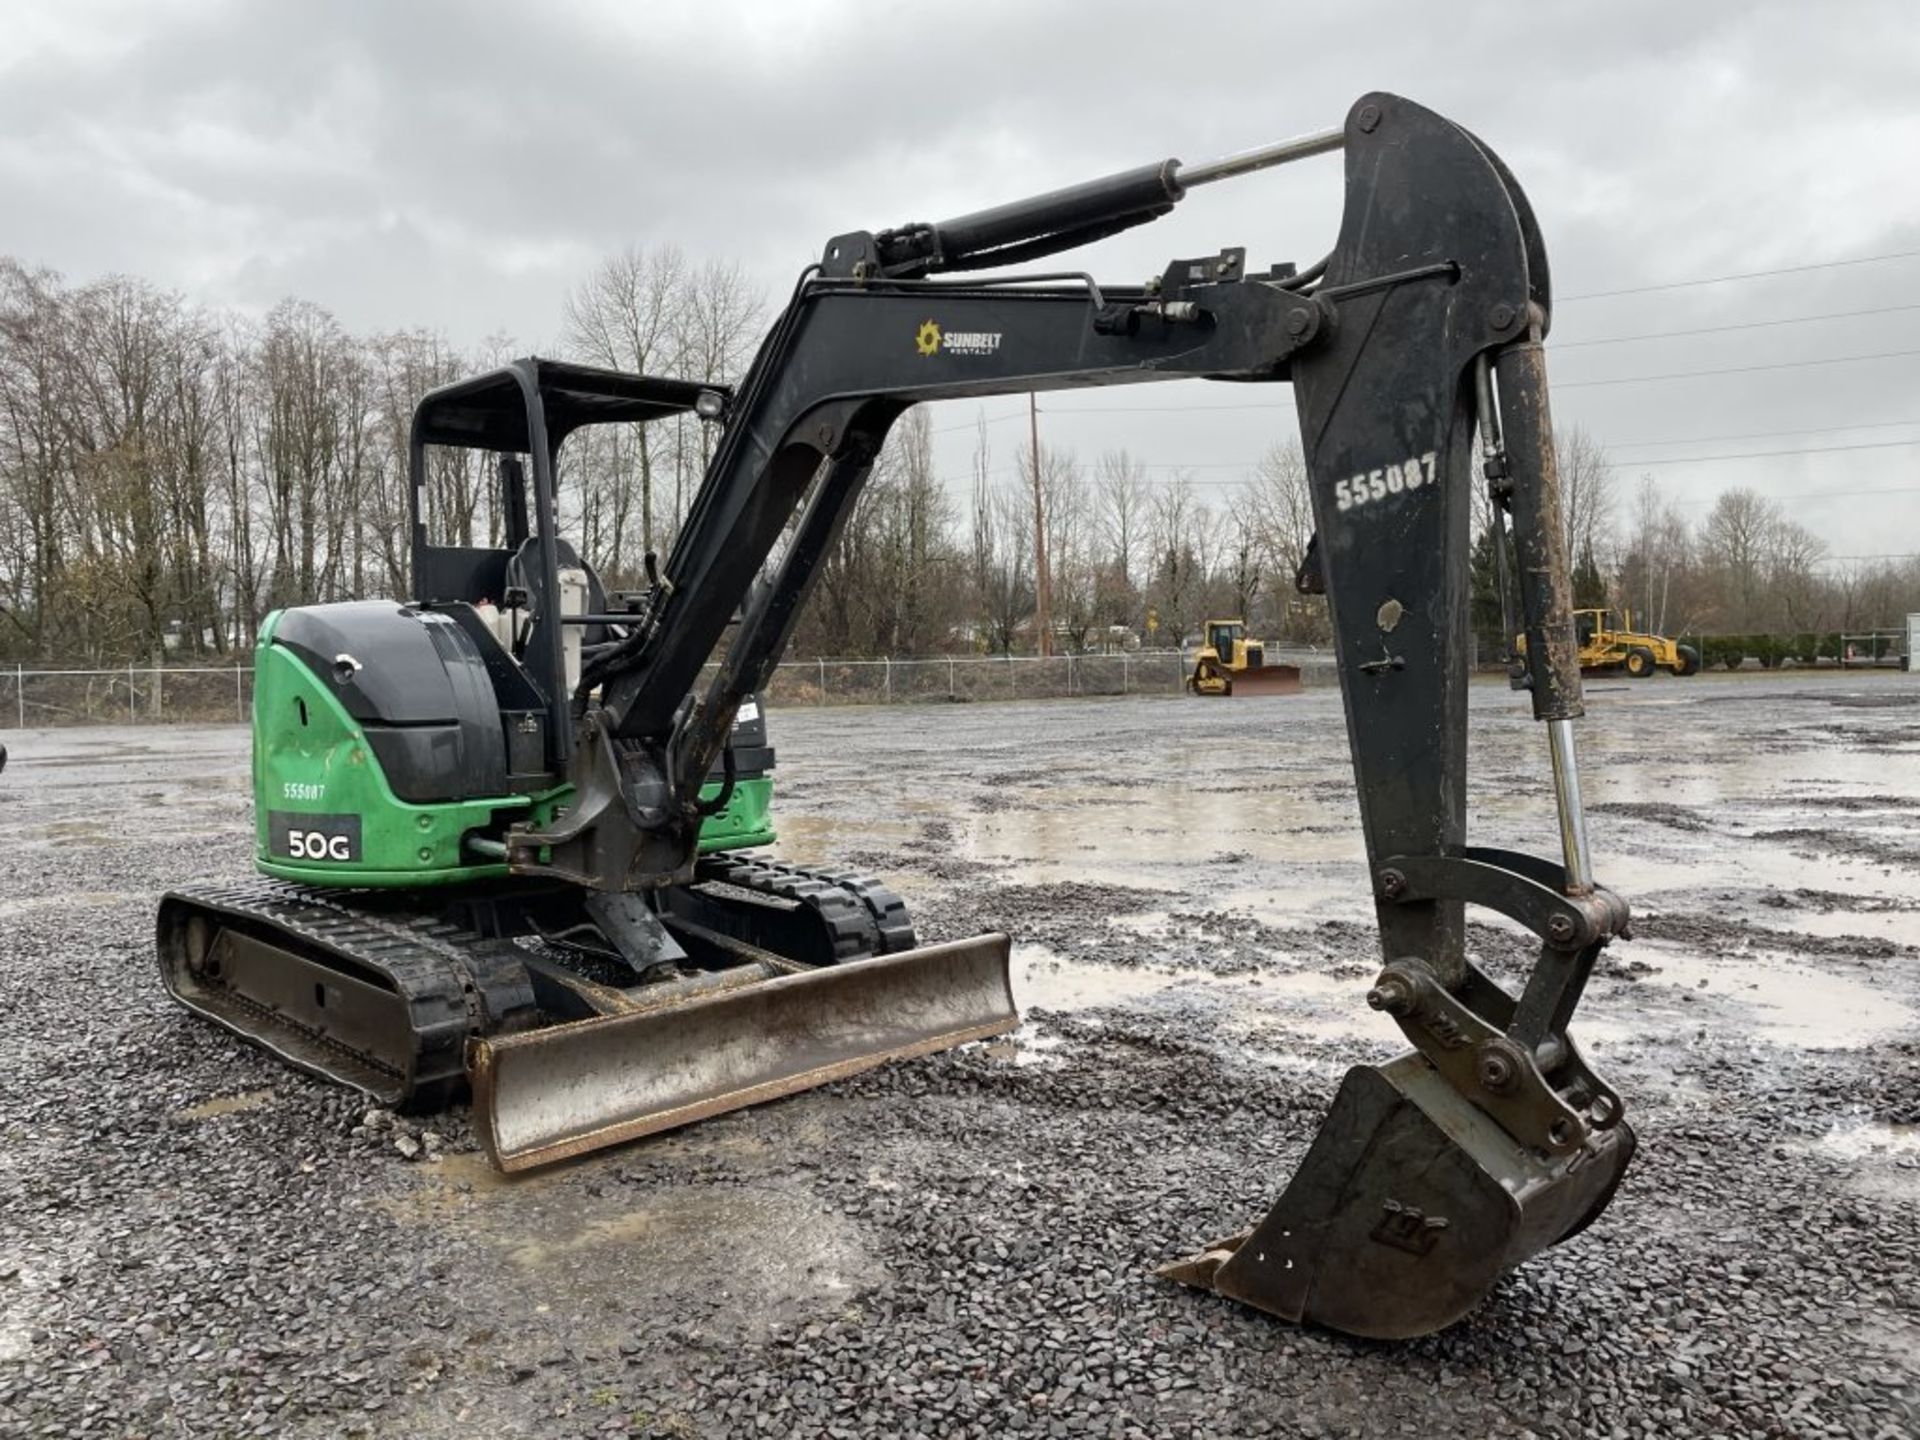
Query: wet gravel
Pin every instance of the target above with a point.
(197, 1242)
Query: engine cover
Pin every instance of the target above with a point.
(418, 684)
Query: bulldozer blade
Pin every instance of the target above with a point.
(1410, 1205)
(549, 1094)
(1266, 680)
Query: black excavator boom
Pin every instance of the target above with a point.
(1493, 1138)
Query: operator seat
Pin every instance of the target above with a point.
(527, 571)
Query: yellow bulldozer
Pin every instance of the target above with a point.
(1604, 648)
(1231, 664)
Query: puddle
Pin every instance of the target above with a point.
(1324, 1007)
(1902, 926)
(225, 1105)
(1894, 1339)
(1027, 1046)
(1043, 979)
(1108, 841)
(763, 1250)
(822, 839)
(447, 1189)
(1882, 1160)
(1679, 868)
(473, 1169)
(1869, 1140)
(1797, 1005)
(1342, 895)
(574, 1241)
(1265, 1006)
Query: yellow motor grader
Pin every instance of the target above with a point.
(1603, 648)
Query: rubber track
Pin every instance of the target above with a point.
(454, 981)
(864, 916)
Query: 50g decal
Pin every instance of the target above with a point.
(294, 836)
(313, 845)
(1376, 485)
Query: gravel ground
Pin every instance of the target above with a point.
(197, 1242)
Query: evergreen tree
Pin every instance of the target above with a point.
(1589, 585)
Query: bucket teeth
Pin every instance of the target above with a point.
(1199, 1268)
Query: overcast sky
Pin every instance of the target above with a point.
(459, 164)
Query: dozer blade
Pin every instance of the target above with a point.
(1410, 1205)
(545, 1095)
(1266, 680)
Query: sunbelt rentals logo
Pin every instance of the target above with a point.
(931, 340)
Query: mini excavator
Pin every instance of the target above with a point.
(504, 824)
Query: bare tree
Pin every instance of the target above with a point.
(1735, 537)
(1121, 499)
(1794, 585)
(630, 314)
(1177, 587)
(1656, 576)
(1586, 492)
(887, 586)
(1072, 569)
(37, 450)
(719, 325)
(1000, 554)
(167, 475)
(1280, 507)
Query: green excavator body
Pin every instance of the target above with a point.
(325, 813)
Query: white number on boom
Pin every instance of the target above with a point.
(1375, 485)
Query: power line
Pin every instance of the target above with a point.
(1726, 329)
(1846, 494)
(1610, 445)
(1761, 434)
(1816, 495)
(1743, 275)
(982, 420)
(1557, 385)
(1167, 409)
(1758, 454)
(1608, 465)
(1734, 370)
(1584, 344)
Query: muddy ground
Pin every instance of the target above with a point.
(196, 1242)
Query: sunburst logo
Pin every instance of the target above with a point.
(927, 342)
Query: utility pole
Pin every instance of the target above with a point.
(1041, 591)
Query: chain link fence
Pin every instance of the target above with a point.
(136, 694)
(956, 678)
(125, 695)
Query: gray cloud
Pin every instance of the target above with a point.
(458, 165)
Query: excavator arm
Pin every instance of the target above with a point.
(1492, 1138)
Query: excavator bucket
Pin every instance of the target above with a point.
(1266, 680)
(1410, 1205)
(545, 1095)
